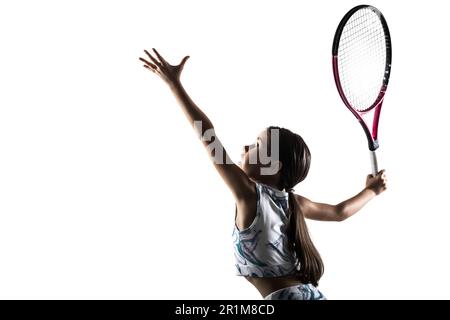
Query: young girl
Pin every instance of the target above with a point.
(273, 249)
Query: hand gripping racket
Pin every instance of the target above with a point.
(362, 54)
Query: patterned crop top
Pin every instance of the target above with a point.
(262, 250)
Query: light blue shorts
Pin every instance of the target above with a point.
(297, 292)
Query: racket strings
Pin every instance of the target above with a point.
(362, 58)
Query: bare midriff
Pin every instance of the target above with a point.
(266, 286)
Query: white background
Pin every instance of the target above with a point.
(106, 193)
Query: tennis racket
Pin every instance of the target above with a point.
(362, 54)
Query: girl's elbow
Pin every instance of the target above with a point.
(340, 217)
(341, 213)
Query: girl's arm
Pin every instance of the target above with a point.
(238, 182)
(345, 209)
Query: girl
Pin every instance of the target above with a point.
(273, 249)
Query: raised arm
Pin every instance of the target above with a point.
(345, 209)
(236, 179)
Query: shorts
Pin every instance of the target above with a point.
(297, 292)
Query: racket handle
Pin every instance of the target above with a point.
(373, 160)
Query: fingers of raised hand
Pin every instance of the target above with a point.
(184, 60)
(151, 68)
(159, 57)
(149, 65)
(153, 59)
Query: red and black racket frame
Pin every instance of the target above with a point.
(372, 137)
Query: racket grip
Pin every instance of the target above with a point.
(373, 160)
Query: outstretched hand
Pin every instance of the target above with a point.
(377, 183)
(169, 73)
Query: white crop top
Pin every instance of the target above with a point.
(262, 249)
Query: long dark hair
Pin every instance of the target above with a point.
(295, 157)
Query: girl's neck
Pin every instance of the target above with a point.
(268, 182)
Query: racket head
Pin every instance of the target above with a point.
(362, 56)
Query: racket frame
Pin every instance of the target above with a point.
(372, 137)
